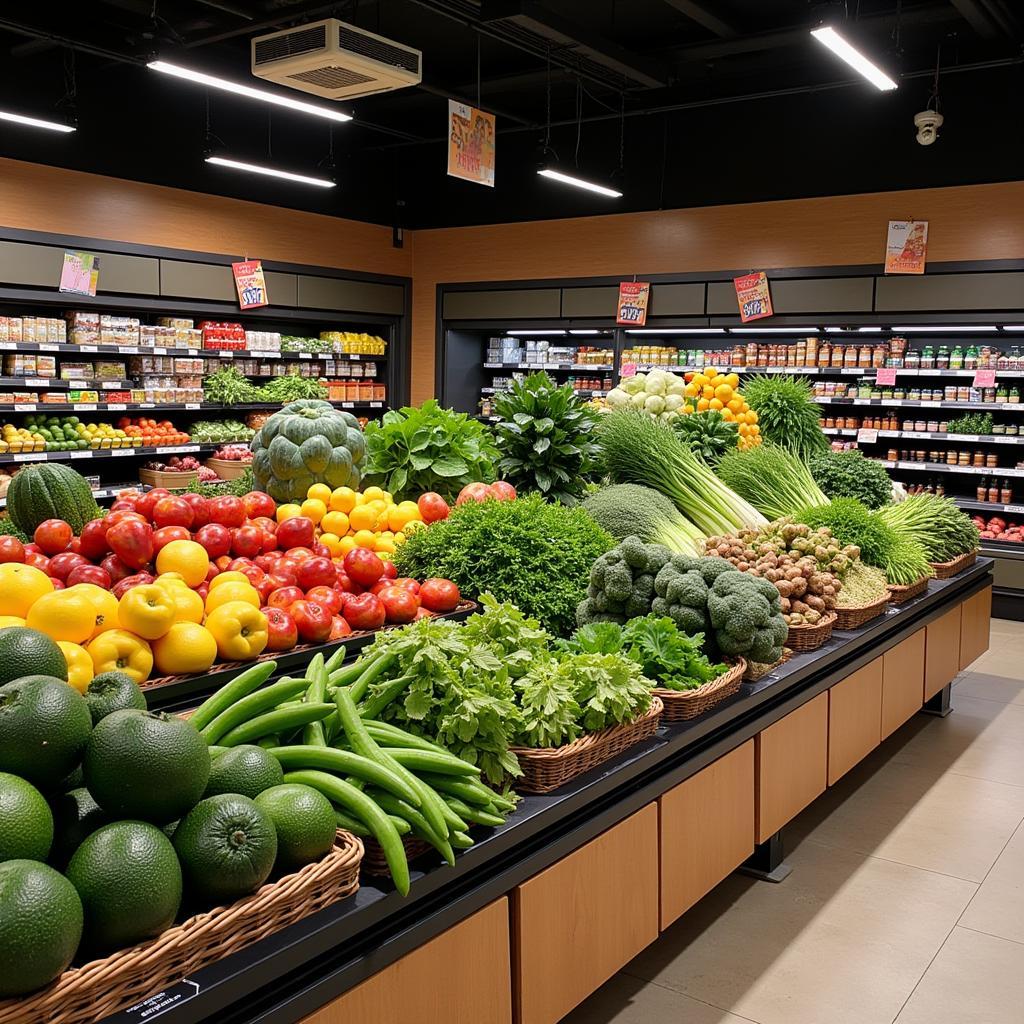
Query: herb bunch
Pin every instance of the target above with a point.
(787, 412)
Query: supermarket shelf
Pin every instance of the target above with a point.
(65, 407)
(105, 453)
(146, 350)
(933, 435)
(830, 371)
(582, 392)
(987, 506)
(942, 467)
(928, 404)
(100, 492)
(79, 383)
(594, 367)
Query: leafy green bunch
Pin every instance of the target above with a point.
(850, 475)
(412, 450)
(546, 438)
(787, 412)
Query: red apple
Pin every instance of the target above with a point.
(327, 596)
(123, 586)
(439, 595)
(364, 611)
(339, 628)
(227, 510)
(247, 541)
(282, 633)
(145, 505)
(284, 597)
(400, 604)
(166, 534)
(297, 532)
(257, 503)
(53, 536)
(172, 511)
(313, 621)
(11, 550)
(215, 538)
(115, 568)
(37, 559)
(473, 492)
(94, 574)
(200, 509)
(132, 542)
(363, 567)
(94, 540)
(317, 572)
(62, 564)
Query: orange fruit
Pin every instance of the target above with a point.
(234, 576)
(20, 587)
(233, 591)
(313, 508)
(289, 511)
(363, 517)
(104, 606)
(335, 522)
(185, 648)
(343, 499)
(365, 539)
(320, 492)
(63, 615)
(186, 558)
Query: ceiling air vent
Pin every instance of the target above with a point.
(335, 60)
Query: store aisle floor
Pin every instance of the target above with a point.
(906, 901)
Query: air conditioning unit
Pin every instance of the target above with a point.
(333, 59)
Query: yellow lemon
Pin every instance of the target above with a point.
(335, 522)
(320, 492)
(343, 499)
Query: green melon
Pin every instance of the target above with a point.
(49, 490)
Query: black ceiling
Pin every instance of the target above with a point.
(725, 100)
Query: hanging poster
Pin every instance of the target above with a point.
(752, 296)
(80, 273)
(250, 285)
(470, 143)
(632, 308)
(906, 247)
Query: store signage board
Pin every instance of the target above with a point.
(471, 138)
(985, 378)
(866, 436)
(250, 285)
(753, 297)
(79, 273)
(885, 375)
(627, 370)
(631, 309)
(159, 1004)
(906, 247)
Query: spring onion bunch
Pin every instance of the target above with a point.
(787, 413)
(776, 482)
(935, 523)
(641, 450)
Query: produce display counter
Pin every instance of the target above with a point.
(543, 910)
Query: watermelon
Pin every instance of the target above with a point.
(49, 491)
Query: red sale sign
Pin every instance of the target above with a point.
(632, 308)
(250, 285)
(753, 297)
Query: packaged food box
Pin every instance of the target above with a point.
(108, 370)
(75, 371)
(46, 366)
(23, 397)
(117, 396)
(83, 396)
(184, 323)
(56, 331)
(14, 328)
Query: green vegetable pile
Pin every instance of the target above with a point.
(631, 510)
(935, 523)
(546, 437)
(230, 387)
(774, 480)
(971, 423)
(850, 475)
(414, 450)
(220, 431)
(237, 487)
(863, 584)
(528, 551)
(787, 412)
(707, 434)
(622, 582)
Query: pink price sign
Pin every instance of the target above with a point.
(984, 378)
(885, 375)
(628, 370)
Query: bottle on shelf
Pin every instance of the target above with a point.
(982, 491)
(993, 491)
(1006, 493)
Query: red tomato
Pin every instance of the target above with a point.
(258, 504)
(400, 605)
(502, 490)
(321, 550)
(145, 505)
(227, 510)
(252, 572)
(38, 559)
(327, 596)
(344, 584)
(264, 523)
(317, 572)
(200, 509)
(297, 555)
(33, 547)
(11, 550)
(53, 536)
(94, 540)
(128, 498)
(75, 545)
(390, 572)
(432, 507)
(266, 562)
(339, 628)
(172, 511)
(62, 564)
(284, 597)
(247, 541)
(363, 567)
(406, 583)
(115, 568)
(364, 611)
(166, 534)
(473, 492)
(423, 613)
(297, 532)
(121, 515)
(215, 538)
(313, 621)
(281, 578)
(123, 586)
(439, 595)
(121, 506)
(132, 542)
(265, 587)
(89, 574)
(269, 544)
(282, 633)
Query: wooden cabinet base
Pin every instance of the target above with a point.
(854, 719)
(903, 679)
(576, 923)
(942, 651)
(974, 626)
(424, 987)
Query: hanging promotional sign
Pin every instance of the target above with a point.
(80, 273)
(632, 307)
(906, 246)
(470, 143)
(250, 285)
(753, 297)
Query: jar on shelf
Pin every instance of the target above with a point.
(942, 358)
(956, 358)
(933, 426)
(991, 460)
(927, 361)
(951, 458)
(891, 455)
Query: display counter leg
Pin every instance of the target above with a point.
(767, 861)
(939, 704)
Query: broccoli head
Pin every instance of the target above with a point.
(711, 568)
(682, 596)
(622, 582)
(645, 558)
(745, 617)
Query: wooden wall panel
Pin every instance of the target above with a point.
(854, 719)
(426, 986)
(903, 681)
(974, 626)
(578, 922)
(942, 651)
(707, 830)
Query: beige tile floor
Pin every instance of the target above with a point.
(906, 901)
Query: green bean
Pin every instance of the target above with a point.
(278, 720)
(376, 667)
(313, 732)
(344, 762)
(244, 683)
(335, 660)
(367, 811)
(266, 742)
(391, 736)
(460, 841)
(431, 761)
(474, 815)
(255, 703)
(475, 794)
(390, 691)
(420, 826)
(357, 828)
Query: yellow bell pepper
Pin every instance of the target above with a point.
(148, 611)
(117, 650)
(239, 629)
(80, 668)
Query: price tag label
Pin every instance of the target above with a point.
(627, 370)
(354, 356)
(116, 406)
(81, 455)
(34, 382)
(191, 405)
(78, 383)
(862, 401)
(984, 378)
(130, 348)
(305, 355)
(165, 448)
(347, 405)
(116, 453)
(110, 385)
(25, 407)
(55, 348)
(147, 405)
(85, 407)
(8, 344)
(886, 375)
(376, 405)
(160, 351)
(270, 355)
(89, 348)
(866, 436)
(931, 404)
(929, 373)
(157, 1005)
(27, 457)
(1014, 509)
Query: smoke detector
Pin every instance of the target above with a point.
(333, 59)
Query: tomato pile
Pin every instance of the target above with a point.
(997, 528)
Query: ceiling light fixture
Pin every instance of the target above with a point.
(943, 329)
(576, 182)
(678, 330)
(270, 172)
(513, 334)
(852, 56)
(263, 95)
(773, 330)
(35, 122)
(589, 332)
(869, 330)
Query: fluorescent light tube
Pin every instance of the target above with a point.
(1013, 327)
(869, 330)
(35, 122)
(568, 179)
(270, 172)
(943, 329)
(678, 330)
(844, 51)
(774, 330)
(201, 78)
(587, 332)
(515, 334)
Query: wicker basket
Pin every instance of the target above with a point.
(944, 570)
(374, 863)
(168, 478)
(810, 638)
(547, 768)
(228, 469)
(856, 615)
(759, 669)
(82, 995)
(683, 704)
(900, 594)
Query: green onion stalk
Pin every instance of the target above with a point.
(642, 450)
(775, 481)
(935, 523)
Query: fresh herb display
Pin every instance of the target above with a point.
(237, 487)
(863, 584)
(787, 412)
(935, 523)
(707, 434)
(220, 431)
(774, 480)
(631, 510)
(229, 386)
(411, 451)
(546, 437)
(971, 423)
(850, 475)
(642, 450)
(292, 387)
(533, 553)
